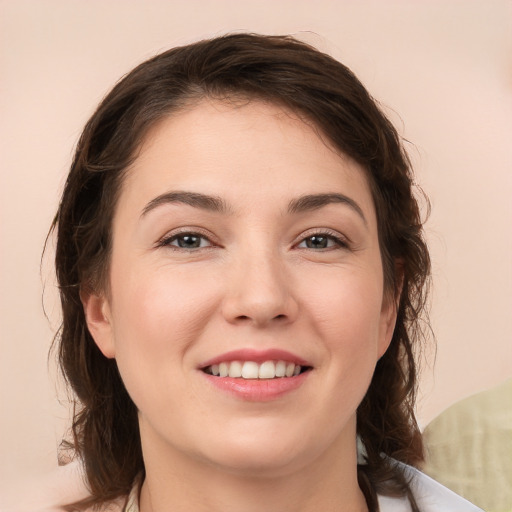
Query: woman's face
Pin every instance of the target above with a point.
(243, 244)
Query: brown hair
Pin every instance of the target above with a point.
(279, 70)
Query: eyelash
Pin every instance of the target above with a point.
(331, 237)
(167, 240)
(339, 241)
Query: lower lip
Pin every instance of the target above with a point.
(258, 390)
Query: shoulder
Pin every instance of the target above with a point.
(430, 495)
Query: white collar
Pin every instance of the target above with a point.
(430, 495)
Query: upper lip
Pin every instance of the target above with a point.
(258, 356)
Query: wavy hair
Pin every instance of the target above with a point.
(283, 71)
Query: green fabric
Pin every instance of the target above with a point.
(469, 448)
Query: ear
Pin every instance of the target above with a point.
(389, 311)
(387, 323)
(99, 321)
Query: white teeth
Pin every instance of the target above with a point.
(235, 369)
(280, 369)
(223, 369)
(252, 370)
(268, 370)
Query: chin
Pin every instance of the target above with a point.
(258, 463)
(272, 455)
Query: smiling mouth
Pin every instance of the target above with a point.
(253, 370)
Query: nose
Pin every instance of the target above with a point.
(260, 291)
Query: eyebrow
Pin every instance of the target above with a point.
(316, 201)
(195, 199)
(217, 204)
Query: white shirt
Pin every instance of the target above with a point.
(430, 495)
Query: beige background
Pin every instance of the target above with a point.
(444, 66)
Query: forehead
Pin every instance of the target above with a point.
(250, 149)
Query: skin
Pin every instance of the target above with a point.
(256, 281)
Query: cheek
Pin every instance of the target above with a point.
(157, 316)
(162, 304)
(346, 315)
(347, 304)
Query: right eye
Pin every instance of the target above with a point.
(186, 241)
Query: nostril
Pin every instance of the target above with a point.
(248, 318)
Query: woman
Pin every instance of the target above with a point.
(242, 273)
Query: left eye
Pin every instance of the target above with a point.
(187, 241)
(320, 241)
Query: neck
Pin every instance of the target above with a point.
(183, 483)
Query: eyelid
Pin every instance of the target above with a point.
(165, 241)
(342, 240)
